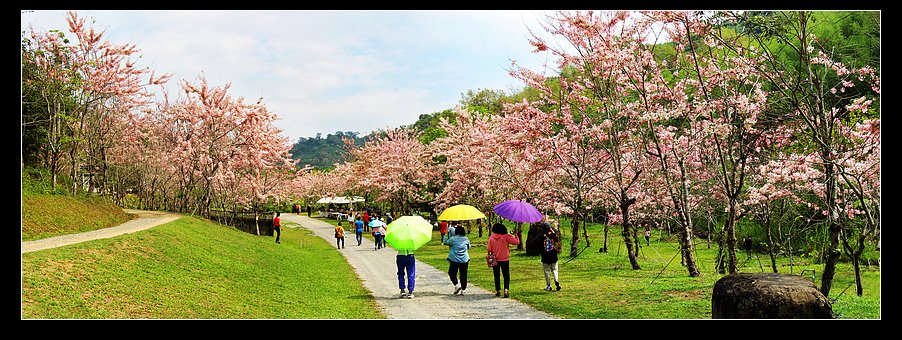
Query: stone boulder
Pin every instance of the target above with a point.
(768, 296)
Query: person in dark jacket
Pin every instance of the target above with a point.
(549, 257)
(748, 245)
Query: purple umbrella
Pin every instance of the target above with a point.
(518, 211)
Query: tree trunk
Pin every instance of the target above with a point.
(604, 248)
(74, 171)
(687, 249)
(520, 235)
(720, 263)
(731, 237)
(625, 210)
(257, 221)
(636, 242)
(832, 252)
(771, 247)
(856, 261)
(574, 229)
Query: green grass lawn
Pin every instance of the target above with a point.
(194, 269)
(603, 285)
(48, 215)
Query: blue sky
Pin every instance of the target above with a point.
(324, 71)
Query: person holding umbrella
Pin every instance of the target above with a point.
(458, 258)
(406, 264)
(499, 244)
(407, 234)
(378, 232)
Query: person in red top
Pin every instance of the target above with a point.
(443, 229)
(277, 226)
(366, 221)
(499, 244)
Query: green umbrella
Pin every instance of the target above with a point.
(408, 233)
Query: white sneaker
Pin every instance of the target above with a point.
(456, 289)
(462, 292)
(410, 295)
(403, 294)
(548, 288)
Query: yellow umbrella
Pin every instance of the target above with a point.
(461, 212)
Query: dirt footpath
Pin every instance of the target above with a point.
(145, 220)
(432, 291)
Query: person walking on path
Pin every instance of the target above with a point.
(499, 244)
(407, 266)
(458, 258)
(366, 221)
(358, 231)
(277, 226)
(549, 257)
(379, 235)
(647, 234)
(340, 236)
(443, 228)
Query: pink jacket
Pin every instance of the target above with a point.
(498, 244)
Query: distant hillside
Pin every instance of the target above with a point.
(322, 152)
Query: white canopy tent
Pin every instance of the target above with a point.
(340, 200)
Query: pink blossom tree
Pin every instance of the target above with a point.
(603, 52)
(490, 158)
(729, 96)
(823, 97)
(92, 88)
(859, 168)
(775, 185)
(218, 142)
(468, 155)
(399, 167)
(258, 163)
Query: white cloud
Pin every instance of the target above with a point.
(324, 71)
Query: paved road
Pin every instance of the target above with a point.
(145, 220)
(432, 292)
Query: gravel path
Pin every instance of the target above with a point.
(432, 293)
(145, 220)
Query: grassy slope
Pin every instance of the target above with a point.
(190, 269)
(46, 215)
(603, 286)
